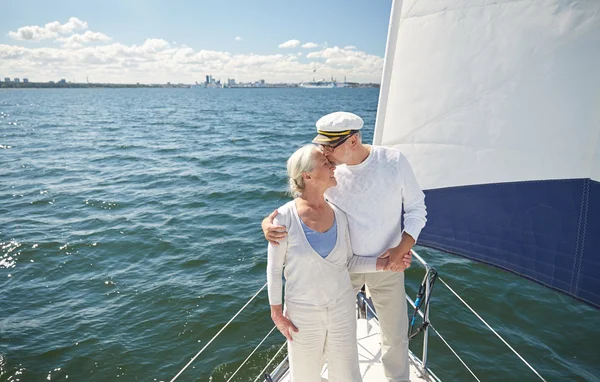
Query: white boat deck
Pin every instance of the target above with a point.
(369, 356)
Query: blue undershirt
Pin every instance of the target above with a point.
(321, 242)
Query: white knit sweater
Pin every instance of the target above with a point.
(311, 279)
(372, 195)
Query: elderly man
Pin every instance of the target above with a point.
(374, 186)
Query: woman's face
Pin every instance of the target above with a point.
(323, 173)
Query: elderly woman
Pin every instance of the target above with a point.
(319, 317)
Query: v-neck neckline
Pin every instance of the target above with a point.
(336, 224)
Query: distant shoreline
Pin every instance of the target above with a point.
(57, 85)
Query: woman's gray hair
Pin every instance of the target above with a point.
(301, 161)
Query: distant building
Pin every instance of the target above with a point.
(26, 80)
(62, 81)
(230, 82)
(50, 82)
(17, 80)
(6, 79)
(262, 82)
(207, 79)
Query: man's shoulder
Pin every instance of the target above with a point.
(332, 194)
(388, 159)
(387, 154)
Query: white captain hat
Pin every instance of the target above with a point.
(333, 127)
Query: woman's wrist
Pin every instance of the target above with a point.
(381, 263)
(276, 311)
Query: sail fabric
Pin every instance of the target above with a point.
(496, 104)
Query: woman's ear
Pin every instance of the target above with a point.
(305, 176)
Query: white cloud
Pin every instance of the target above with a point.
(310, 45)
(33, 32)
(290, 44)
(77, 40)
(154, 45)
(69, 27)
(349, 61)
(50, 30)
(158, 61)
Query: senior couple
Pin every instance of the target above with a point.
(343, 229)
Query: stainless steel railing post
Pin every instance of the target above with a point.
(426, 319)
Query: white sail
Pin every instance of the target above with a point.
(502, 90)
(502, 93)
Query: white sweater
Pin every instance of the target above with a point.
(311, 279)
(372, 195)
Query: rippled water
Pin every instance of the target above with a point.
(129, 234)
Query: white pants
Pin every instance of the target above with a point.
(387, 292)
(324, 331)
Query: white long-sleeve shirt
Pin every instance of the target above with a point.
(372, 194)
(311, 279)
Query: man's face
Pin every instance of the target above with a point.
(336, 154)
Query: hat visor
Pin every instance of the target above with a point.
(324, 140)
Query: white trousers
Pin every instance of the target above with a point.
(387, 292)
(324, 331)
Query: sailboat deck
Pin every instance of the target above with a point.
(369, 356)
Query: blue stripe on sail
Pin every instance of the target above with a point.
(548, 231)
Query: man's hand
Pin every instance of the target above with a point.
(283, 323)
(400, 257)
(407, 260)
(397, 261)
(273, 233)
(382, 262)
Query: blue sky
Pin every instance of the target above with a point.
(178, 41)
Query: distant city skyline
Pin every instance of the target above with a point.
(158, 42)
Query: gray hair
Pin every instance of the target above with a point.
(301, 161)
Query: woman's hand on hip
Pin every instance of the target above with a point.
(284, 325)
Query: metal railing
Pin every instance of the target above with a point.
(421, 306)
